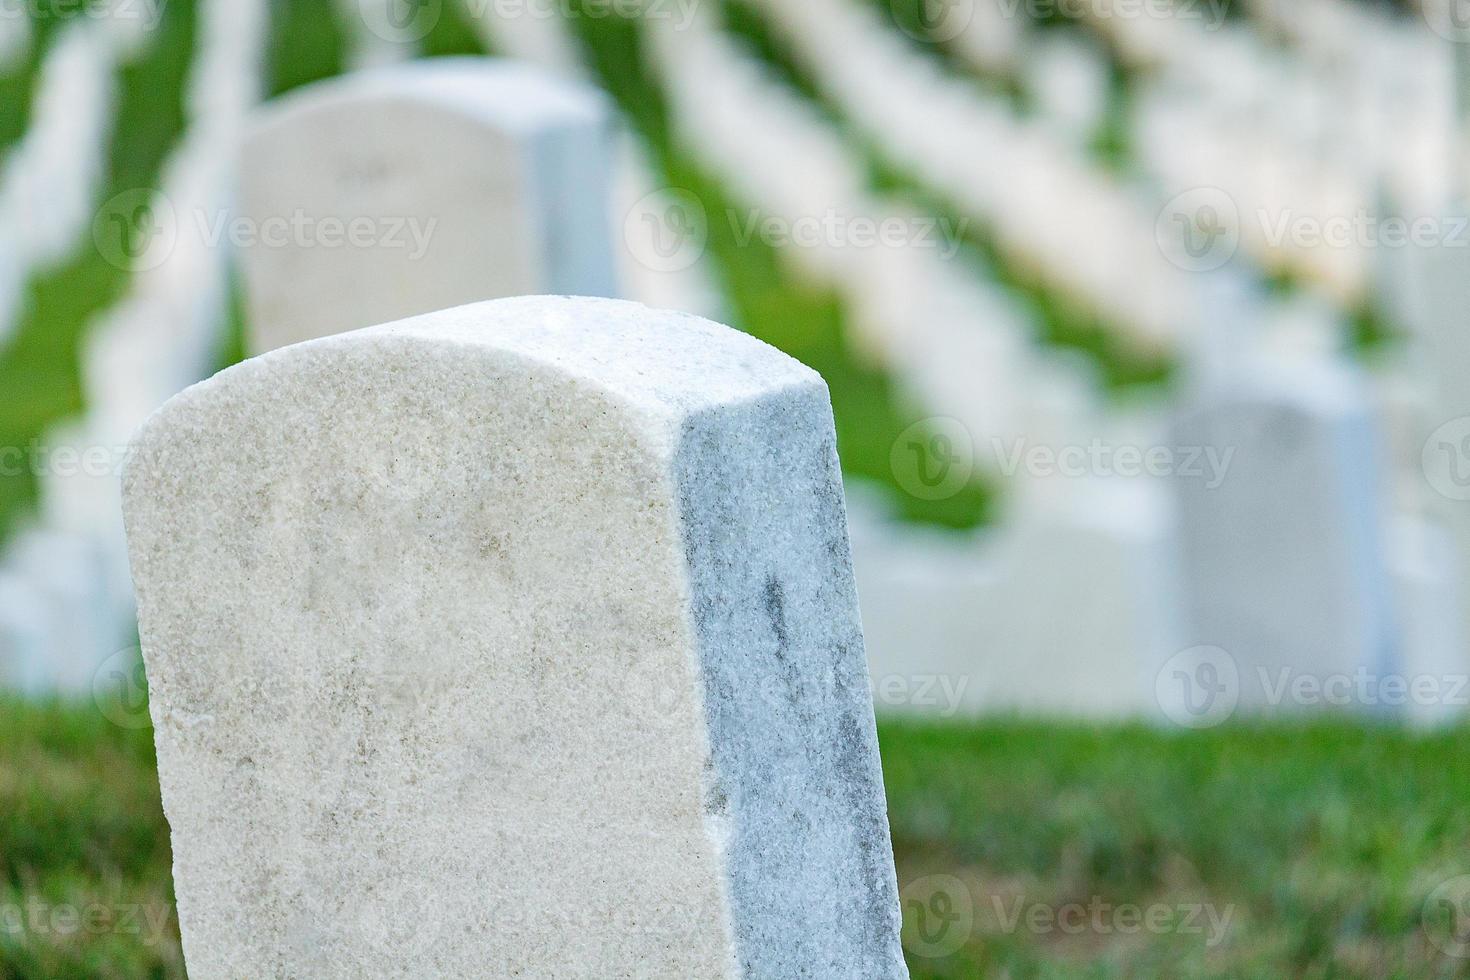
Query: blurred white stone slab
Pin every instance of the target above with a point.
(25, 634)
(1284, 556)
(65, 572)
(418, 187)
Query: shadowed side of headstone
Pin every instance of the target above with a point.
(418, 187)
(518, 639)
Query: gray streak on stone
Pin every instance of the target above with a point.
(787, 699)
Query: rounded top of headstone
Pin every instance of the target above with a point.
(659, 363)
(511, 95)
(660, 359)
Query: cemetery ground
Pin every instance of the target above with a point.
(1024, 850)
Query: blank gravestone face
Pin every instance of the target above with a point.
(518, 639)
(1282, 556)
(415, 188)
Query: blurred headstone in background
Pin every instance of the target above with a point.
(50, 179)
(1284, 547)
(1089, 596)
(419, 187)
(1432, 297)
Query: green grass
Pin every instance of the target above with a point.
(306, 44)
(85, 886)
(1321, 842)
(1309, 851)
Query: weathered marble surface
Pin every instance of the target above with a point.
(518, 639)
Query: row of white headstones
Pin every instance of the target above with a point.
(1074, 604)
(1016, 623)
(65, 599)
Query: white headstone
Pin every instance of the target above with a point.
(419, 187)
(929, 602)
(1282, 534)
(1438, 299)
(518, 639)
(66, 573)
(1087, 605)
(1436, 687)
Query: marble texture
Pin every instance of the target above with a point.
(417, 187)
(518, 639)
